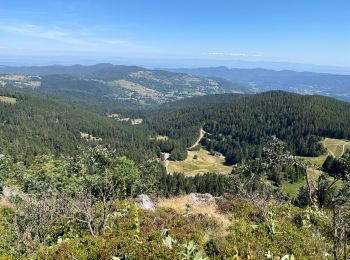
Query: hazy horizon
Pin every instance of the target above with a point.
(299, 35)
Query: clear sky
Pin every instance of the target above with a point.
(301, 31)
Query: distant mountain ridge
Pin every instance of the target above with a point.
(127, 83)
(260, 80)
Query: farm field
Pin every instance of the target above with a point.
(203, 164)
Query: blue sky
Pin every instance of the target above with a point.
(298, 31)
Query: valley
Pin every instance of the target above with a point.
(166, 160)
(175, 130)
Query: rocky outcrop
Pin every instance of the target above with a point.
(145, 202)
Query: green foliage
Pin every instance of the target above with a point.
(238, 125)
(188, 251)
(165, 234)
(40, 124)
(249, 232)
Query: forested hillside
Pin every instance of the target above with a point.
(128, 84)
(38, 124)
(238, 125)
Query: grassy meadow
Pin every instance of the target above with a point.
(200, 162)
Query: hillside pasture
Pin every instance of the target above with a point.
(334, 147)
(199, 162)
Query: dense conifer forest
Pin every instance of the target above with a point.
(40, 124)
(238, 125)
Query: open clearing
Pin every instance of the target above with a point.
(89, 137)
(141, 90)
(160, 138)
(8, 100)
(179, 205)
(133, 121)
(335, 147)
(292, 189)
(203, 164)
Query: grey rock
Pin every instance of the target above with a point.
(145, 202)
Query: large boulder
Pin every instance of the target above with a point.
(145, 202)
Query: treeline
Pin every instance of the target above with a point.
(238, 125)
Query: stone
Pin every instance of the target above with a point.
(145, 202)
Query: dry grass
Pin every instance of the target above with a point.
(336, 147)
(203, 164)
(179, 205)
(8, 100)
(136, 121)
(4, 203)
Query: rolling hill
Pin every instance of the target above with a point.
(121, 83)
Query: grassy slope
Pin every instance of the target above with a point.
(334, 147)
(203, 164)
(292, 189)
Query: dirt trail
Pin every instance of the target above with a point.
(344, 148)
(332, 153)
(328, 151)
(201, 134)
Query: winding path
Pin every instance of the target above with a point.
(344, 148)
(330, 152)
(167, 155)
(201, 134)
